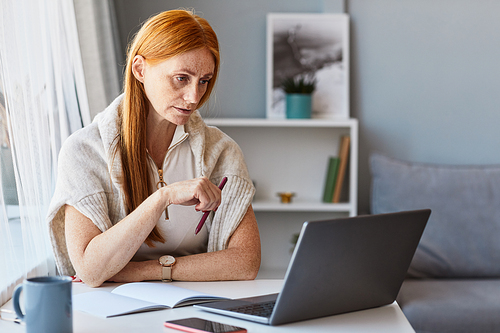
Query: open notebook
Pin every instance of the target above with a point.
(138, 297)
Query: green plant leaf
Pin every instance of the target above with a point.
(303, 84)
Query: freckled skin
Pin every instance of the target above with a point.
(175, 86)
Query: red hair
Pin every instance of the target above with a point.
(163, 36)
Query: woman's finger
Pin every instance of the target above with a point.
(209, 196)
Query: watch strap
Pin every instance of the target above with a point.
(166, 274)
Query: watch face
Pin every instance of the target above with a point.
(167, 260)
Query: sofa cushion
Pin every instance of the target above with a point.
(444, 305)
(462, 237)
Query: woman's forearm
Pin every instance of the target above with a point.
(98, 256)
(229, 264)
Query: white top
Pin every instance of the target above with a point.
(178, 231)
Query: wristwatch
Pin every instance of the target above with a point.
(167, 262)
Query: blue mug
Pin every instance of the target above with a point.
(47, 304)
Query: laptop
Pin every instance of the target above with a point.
(338, 266)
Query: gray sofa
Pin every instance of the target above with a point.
(453, 283)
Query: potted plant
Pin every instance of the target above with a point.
(298, 92)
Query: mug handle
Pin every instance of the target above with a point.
(15, 301)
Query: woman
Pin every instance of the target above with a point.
(134, 184)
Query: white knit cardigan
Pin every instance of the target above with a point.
(89, 182)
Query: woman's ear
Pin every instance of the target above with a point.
(138, 66)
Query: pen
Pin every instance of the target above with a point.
(205, 215)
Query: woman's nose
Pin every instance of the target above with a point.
(192, 94)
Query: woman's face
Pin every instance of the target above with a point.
(175, 86)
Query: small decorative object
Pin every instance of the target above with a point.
(286, 197)
(298, 92)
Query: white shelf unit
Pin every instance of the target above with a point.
(291, 155)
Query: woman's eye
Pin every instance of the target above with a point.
(181, 78)
(203, 82)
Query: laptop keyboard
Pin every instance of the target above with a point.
(258, 309)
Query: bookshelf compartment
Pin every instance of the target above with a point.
(292, 156)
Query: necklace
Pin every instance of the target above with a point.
(160, 184)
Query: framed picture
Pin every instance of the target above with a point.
(309, 45)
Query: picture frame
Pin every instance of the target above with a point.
(309, 44)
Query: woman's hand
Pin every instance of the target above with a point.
(200, 192)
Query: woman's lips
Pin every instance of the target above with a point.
(181, 110)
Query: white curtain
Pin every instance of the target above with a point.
(102, 54)
(42, 89)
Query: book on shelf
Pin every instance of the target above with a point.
(331, 177)
(138, 297)
(344, 159)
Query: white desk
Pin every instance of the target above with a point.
(385, 319)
